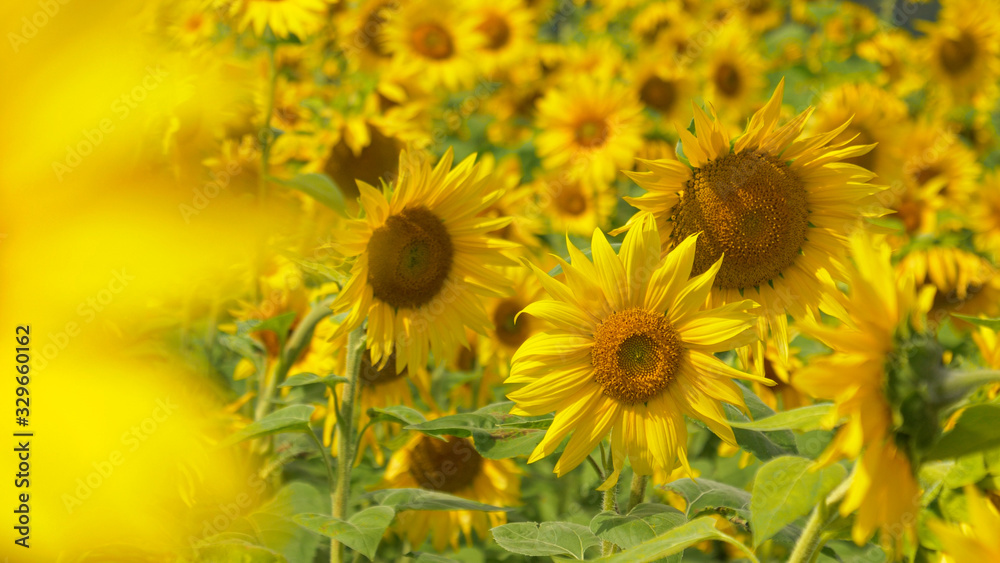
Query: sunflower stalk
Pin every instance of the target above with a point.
(809, 542)
(609, 504)
(293, 348)
(345, 436)
(637, 492)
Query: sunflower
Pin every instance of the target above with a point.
(777, 208)
(733, 72)
(450, 465)
(380, 387)
(573, 202)
(434, 42)
(662, 86)
(782, 394)
(975, 539)
(663, 26)
(283, 17)
(360, 151)
(518, 202)
(510, 330)
(424, 259)
(934, 152)
(962, 50)
(893, 50)
(589, 124)
(875, 116)
(629, 352)
(508, 32)
(361, 33)
(985, 219)
(966, 283)
(886, 314)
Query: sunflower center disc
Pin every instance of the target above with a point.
(957, 54)
(372, 375)
(727, 80)
(635, 355)
(433, 41)
(511, 333)
(658, 93)
(592, 133)
(571, 201)
(380, 159)
(749, 206)
(409, 258)
(448, 466)
(496, 30)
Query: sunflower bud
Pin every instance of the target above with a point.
(916, 391)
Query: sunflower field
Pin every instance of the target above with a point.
(297, 281)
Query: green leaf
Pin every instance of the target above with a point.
(975, 431)
(785, 489)
(803, 418)
(422, 499)
(289, 419)
(992, 324)
(399, 414)
(280, 325)
(274, 525)
(237, 551)
(547, 538)
(675, 541)
(362, 532)
(495, 433)
(705, 494)
(763, 446)
(644, 522)
(306, 378)
(318, 186)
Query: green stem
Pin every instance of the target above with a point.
(345, 435)
(958, 383)
(609, 504)
(809, 542)
(638, 491)
(296, 343)
(331, 478)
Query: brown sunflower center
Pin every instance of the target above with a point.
(380, 159)
(727, 79)
(592, 132)
(926, 174)
(911, 213)
(372, 375)
(433, 41)
(658, 94)
(635, 355)
(957, 55)
(496, 30)
(571, 200)
(409, 258)
(510, 332)
(368, 34)
(447, 465)
(758, 7)
(749, 206)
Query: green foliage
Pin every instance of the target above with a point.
(495, 433)
(361, 532)
(975, 431)
(675, 541)
(787, 488)
(398, 414)
(802, 418)
(421, 499)
(319, 187)
(644, 522)
(305, 378)
(289, 419)
(547, 538)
